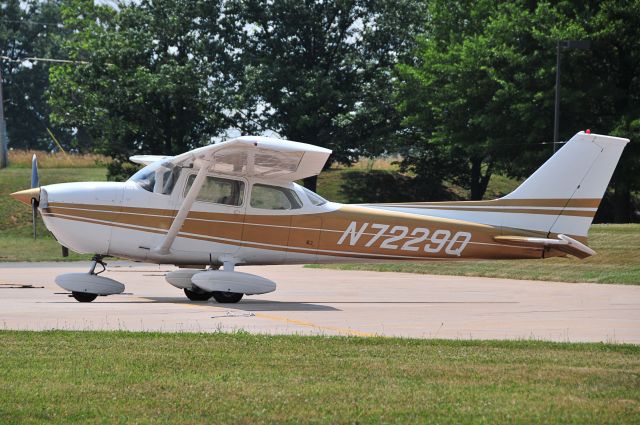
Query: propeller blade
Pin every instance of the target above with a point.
(35, 182)
(35, 179)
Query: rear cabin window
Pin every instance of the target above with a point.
(274, 198)
(218, 191)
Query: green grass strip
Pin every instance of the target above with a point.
(121, 377)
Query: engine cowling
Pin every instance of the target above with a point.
(226, 281)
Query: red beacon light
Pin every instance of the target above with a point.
(588, 131)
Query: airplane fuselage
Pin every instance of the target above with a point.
(125, 220)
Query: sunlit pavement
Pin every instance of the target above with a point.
(330, 302)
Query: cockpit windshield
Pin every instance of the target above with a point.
(159, 177)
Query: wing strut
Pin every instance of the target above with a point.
(165, 247)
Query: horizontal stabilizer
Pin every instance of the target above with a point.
(564, 243)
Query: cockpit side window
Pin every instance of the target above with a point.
(274, 198)
(218, 190)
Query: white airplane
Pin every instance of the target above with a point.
(236, 203)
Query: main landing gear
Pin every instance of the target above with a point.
(225, 286)
(221, 297)
(227, 297)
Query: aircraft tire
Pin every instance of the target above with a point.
(84, 297)
(197, 296)
(227, 297)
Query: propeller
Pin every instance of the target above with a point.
(32, 197)
(35, 182)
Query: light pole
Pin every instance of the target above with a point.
(563, 44)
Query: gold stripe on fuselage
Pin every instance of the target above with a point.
(321, 233)
(549, 203)
(567, 212)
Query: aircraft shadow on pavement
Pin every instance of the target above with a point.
(250, 305)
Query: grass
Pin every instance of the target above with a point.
(617, 261)
(330, 185)
(22, 159)
(117, 377)
(16, 240)
(385, 162)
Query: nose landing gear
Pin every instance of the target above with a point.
(85, 297)
(97, 259)
(85, 287)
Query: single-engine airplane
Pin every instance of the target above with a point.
(236, 203)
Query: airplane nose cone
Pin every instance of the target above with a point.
(25, 196)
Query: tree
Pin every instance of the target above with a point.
(320, 72)
(169, 75)
(463, 95)
(153, 76)
(29, 29)
(602, 90)
(479, 94)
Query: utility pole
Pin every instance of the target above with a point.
(563, 44)
(556, 112)
(4, 142)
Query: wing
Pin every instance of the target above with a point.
(261, 157)
(147, 159)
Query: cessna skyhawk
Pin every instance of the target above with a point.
(236, 203)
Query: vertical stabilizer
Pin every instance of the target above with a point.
(571, 183)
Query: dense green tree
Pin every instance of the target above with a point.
(166, 76)
(154, 78)
(467, 95)
(320, 72)
(601, 89)
(479, 95)
(29, 28)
